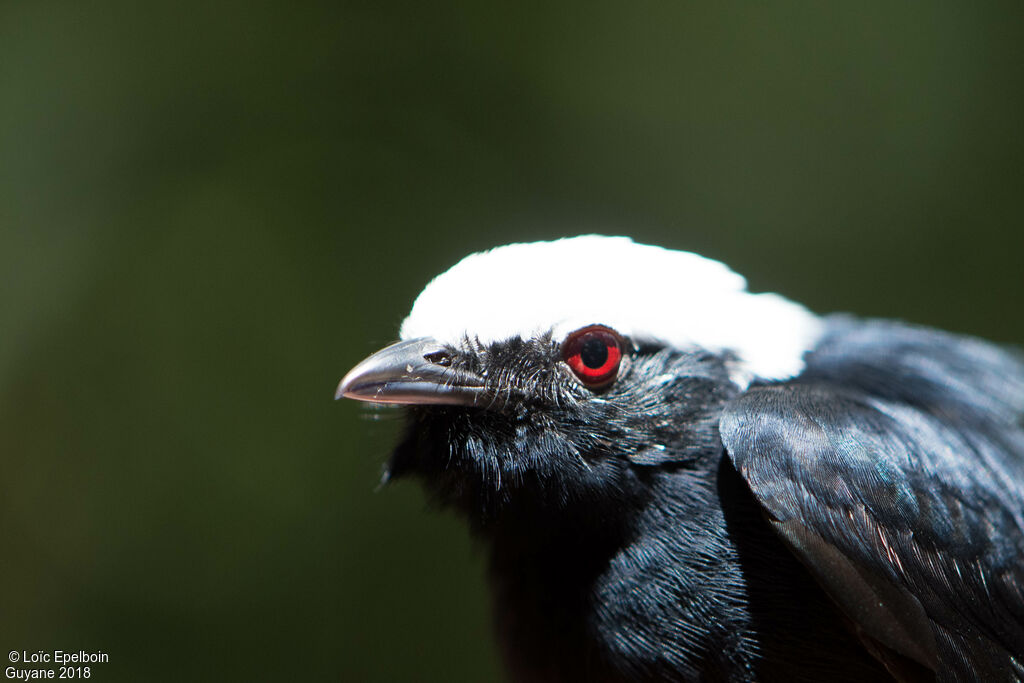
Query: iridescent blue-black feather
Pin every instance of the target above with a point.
(894, 468)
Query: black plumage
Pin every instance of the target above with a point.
(863, 520)
(894, 467)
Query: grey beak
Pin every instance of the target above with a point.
(413, 372)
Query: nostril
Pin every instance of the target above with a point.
(442, 358)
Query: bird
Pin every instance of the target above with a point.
(676, 479)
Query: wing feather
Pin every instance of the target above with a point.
(896, 473)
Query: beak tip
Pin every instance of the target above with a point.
(343, 387)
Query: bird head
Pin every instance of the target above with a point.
(559, 375)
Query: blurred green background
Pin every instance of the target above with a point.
(209, 212)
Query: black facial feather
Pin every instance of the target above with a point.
(545, 432)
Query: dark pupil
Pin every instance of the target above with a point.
(594, 353)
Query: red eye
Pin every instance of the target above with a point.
(594, 354)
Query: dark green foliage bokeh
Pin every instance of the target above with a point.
(209, 212)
